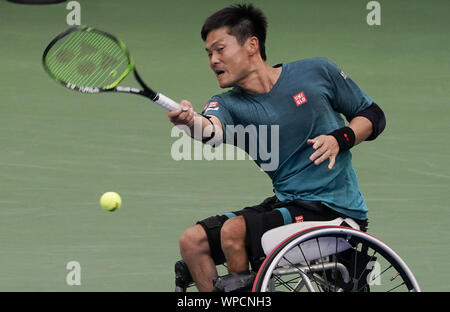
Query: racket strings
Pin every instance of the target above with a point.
(62, 57)
(86, 58)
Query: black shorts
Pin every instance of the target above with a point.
(271, 213)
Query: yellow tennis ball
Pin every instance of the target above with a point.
(110, 201)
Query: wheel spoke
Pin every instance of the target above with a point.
(322, 262)
(306, 260)
(362, 272)
(390, 290)
(282, 282)
(309, 267)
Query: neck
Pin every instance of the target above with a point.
(261, 78)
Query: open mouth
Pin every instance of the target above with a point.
(219, 72)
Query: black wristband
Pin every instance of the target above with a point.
(345, 138)
(213, 133)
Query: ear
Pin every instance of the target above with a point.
(252, 45)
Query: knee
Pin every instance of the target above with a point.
(193, 240)
(233, 234)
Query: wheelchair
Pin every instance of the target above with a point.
(332, 256)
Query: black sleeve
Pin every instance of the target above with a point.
(376, 116)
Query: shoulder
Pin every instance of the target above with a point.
(220, 102)
(314, 63)
(317, 68)
(228, 98)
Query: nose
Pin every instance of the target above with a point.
(213, 60)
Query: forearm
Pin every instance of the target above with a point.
(367, 125)
(201, 127)
(362, 127)
(206, 129)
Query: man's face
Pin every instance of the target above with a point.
(227, 58)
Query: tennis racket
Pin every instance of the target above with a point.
(92, 61)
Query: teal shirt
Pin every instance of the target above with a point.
(306, 101)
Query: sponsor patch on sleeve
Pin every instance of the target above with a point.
(213, 105)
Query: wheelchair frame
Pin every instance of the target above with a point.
(290, 268)
(315, 274)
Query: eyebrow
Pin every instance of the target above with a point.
(213, 45)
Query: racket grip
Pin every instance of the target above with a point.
(166, 102)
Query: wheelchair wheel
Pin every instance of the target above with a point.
(334, 259)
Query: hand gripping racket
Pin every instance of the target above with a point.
(92, 61)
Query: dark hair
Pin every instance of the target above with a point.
(243, 21)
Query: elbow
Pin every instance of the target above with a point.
(378, 119)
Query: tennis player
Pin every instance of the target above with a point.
(315, 179)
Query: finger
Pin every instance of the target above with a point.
(189, 115)
(318, 144)
(317, 154)
(322, 158)
(184, 106)
(190, 118)
(332, 162)
(311, 141)
(314, 156)
(186, 103)
(174, 113)
(184, 116)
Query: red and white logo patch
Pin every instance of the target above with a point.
(213, 105)
(298, 219)
(300, 98)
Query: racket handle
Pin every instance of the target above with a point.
(166, 102)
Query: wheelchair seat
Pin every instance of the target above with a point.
(272, 238)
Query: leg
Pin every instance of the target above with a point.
(233, 244)
(232, 236)
(195, 251)
(201, 245)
